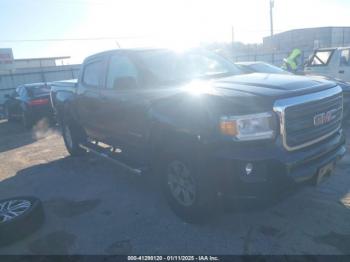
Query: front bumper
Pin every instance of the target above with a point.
(274, 168)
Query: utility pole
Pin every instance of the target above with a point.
(272, 3)
(232, 44)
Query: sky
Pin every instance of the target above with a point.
(78, 28)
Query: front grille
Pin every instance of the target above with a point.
(298, 114)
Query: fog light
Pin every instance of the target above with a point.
(248, 168)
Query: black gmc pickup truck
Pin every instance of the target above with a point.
(205, 129)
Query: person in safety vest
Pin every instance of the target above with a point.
(291, 63)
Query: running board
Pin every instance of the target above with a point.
(126, 167)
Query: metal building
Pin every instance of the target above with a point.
(274, 49)
(308, 39)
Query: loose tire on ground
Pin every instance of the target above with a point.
(19, 217)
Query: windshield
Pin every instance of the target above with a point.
(38, 90)
(321, 57)
(164, 66)
(267, 68)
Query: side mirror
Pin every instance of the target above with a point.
(126, 82)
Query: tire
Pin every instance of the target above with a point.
(197, 204)
(29, 217)
(27, 122)
(7, 114)
(73, 136)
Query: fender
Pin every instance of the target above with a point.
(64, 102)
(168, 136)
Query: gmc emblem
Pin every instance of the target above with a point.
(324, 118)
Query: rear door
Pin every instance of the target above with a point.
(126, 105)
(344, 65)
(89, 105)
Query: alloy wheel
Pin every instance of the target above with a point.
(181, 183)
(12, 209)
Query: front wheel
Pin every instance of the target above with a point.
(188, 190)
(73, 136)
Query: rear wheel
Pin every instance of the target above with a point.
(188, 190)
(73, 136)
(8, 114)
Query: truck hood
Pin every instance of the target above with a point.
(243, 94)
(272, 85)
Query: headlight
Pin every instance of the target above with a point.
(248, 127)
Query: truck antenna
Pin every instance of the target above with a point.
(117, 43)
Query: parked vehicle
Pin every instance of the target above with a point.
(67, 85)
(29, 103)
(331, 62)
(203, 128)
(262, 67)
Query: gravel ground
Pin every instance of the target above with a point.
(92, 207)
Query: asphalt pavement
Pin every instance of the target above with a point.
(93, 207)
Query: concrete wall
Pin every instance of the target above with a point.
(12, 65)
(33, 63)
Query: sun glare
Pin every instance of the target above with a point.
(198, 87)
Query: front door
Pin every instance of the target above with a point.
(344, 65)
(126, 106)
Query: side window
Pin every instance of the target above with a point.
(24, 92)
(345, 57)
(16, 92)
(21, 92)
(92, 74)
(121, 73)
(321, 58)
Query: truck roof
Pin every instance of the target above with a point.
(36, 84)
(332, 48)
(122, 50)
(65, 83)
(73, 81)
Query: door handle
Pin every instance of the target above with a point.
(341, 72)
